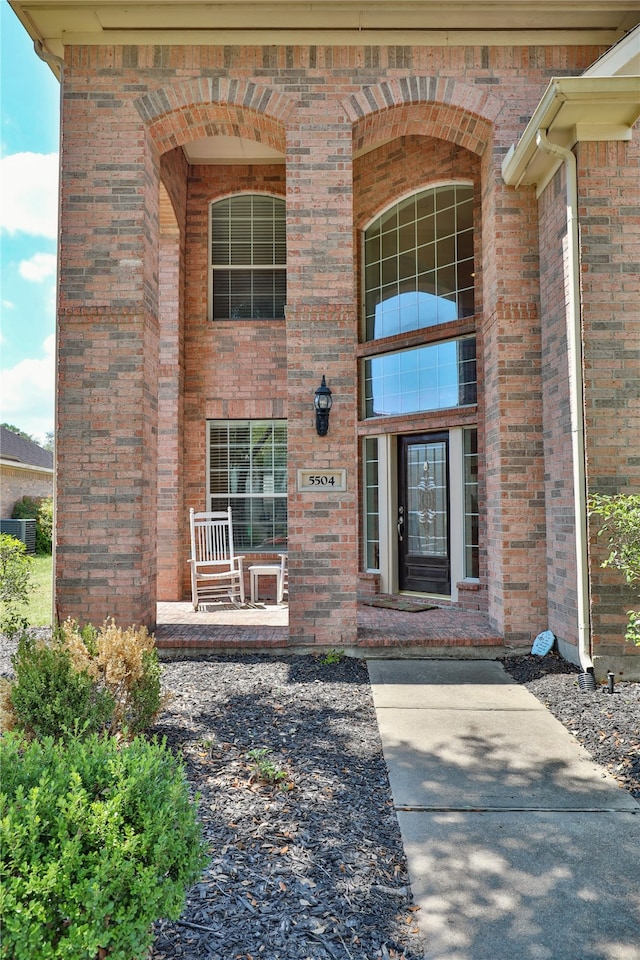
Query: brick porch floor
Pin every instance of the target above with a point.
(442, 632)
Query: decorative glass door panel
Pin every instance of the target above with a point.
(423, 514)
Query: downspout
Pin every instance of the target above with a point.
(52, 61)
(576, 396)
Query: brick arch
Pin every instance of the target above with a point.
(210, 107)
(427, 106)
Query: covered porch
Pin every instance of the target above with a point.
(442, 631)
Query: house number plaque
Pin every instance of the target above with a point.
(332, 481)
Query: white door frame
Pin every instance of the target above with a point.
(388, 505)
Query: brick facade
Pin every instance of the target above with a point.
(20, 481)
(610, 276)
(142, 367)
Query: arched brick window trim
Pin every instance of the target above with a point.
(217, 107)
(427, 106)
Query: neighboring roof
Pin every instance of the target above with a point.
(59, 23)
(20, 450)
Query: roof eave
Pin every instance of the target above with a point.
(573, 109)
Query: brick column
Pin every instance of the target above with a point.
(321, 338)
(171, 509)
(609, 255)
(108, 355)
(514, 456)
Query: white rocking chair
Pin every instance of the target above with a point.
(216, 573)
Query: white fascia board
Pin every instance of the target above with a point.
(573, 109)
(26, 467)
(622, 60)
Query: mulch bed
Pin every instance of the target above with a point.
(607, 725)
(312, 867)
(308, 867)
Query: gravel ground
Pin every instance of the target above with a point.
(311, 865)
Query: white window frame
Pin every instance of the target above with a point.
(254, 268)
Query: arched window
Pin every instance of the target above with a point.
(248, 263)
(418, 262)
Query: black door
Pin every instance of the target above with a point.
(423, 513)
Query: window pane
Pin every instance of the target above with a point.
(426, 230)
(263, 206)
(446, 222)
(445, 197)
(435, 377)
(427, 236)
(239, 206)
(389, 270)
(471, 524)
(465, 274)
(240, 294)
(465, 244)
(407, 237)
(446, 251)
(426, 257)
(221, 294)
(389, 244)
(248, 234)
(241, 242)
(248, 473)
(372, 508)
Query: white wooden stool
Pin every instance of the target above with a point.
(269, 570)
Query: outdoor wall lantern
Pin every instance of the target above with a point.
(322, 402)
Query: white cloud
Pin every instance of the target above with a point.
(27, 393)
(38, 268)
(30, 194)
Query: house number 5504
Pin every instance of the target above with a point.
(314, 480)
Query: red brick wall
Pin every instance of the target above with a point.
(108, 358)
(233, 369)
(124, 107)
(18, 482)
(173, 206)
(558, 456)
(610, 252)
(106, 462)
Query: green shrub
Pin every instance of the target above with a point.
(85, 680)
(50, 697)
(620, 523)
(15, 583)
(98, 840)
(39, 509)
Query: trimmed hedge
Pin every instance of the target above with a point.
(97, 841)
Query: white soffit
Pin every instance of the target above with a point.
(60, 23)
(211, 150)
(573, 109)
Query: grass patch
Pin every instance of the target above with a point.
(38, 610)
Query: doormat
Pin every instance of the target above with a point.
(406, 606)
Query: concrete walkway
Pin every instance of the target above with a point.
(519, 846)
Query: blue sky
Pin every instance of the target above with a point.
(29, 143)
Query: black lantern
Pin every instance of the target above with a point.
(322, 402)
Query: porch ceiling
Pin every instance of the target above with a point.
(60, 23)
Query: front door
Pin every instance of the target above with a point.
(423, 514)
